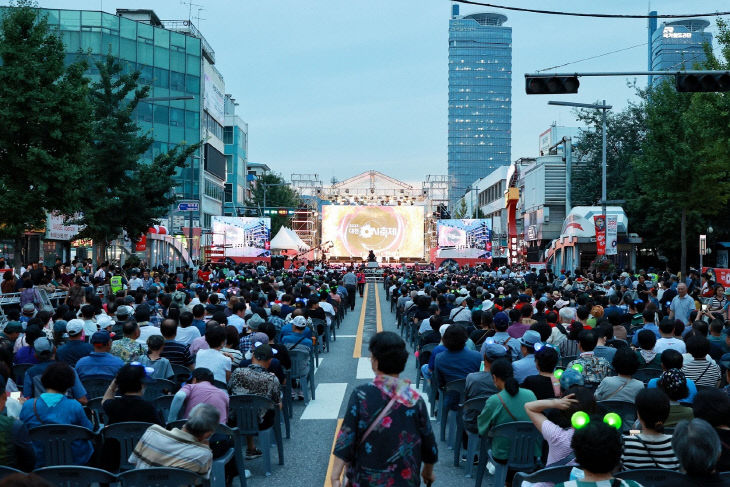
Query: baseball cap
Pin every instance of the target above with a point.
(59, 326)
(263, 352)
(493, 351)
(530, 338)
(501, 318)
(100, 337)
(124, 311)
(104, 320)
(299, 322)
(42, 345)
(571, 377)
(459, 300)
(74, 327)
(13, 327)
(276, 307)
(29, 308)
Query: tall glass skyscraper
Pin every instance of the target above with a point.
(480, 98)
(677, 45)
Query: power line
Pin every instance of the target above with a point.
(603, 16)
(591, 57)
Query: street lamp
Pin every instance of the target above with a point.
(703, 246)
(602, 107)
(265, 185)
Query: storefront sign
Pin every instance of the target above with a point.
(611, 235)
(56, 229)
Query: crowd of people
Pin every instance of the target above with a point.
(533, 345)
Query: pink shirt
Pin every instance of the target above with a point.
(205, 392)
(558, 440)
(198, 344)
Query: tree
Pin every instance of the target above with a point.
(461, 210)
(122, 193)
(45, 117)
(281, 195)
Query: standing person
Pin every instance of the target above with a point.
(350, 282)
(361, 282)
(682, 305)
(386, 436)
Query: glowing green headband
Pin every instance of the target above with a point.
(580, 419)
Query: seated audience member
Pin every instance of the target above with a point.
(185, 448)
(699, 369)
(153, 358)
(255, 379)
(544, 385)
(651, 448)
(75, 348)
(605, 334)
(713, 405)
(648, 358)
(53, 407)
(595, 369)
(199, 390)
(597, 448)
(18, 451)
(175, 352)
(129, 405)
(506, 406)
(212, 358)
(698, 447)
(230, 349)
(456, 362)
(621, 387)
(525, 366)
(129, 348)
(558, 431)
(45, 353)
(480, 383)
(674, 384)
(672, 359)
(667, 339)
(99, 363)
(187, 332)
(25, 353)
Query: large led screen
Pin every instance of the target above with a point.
(389, 231)
(465, 239)
(242, 237)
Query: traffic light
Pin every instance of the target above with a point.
(551, 85)
(707, 82)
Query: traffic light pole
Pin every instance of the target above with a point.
(623, 73)
(690, 81)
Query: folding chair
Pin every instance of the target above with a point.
(127, 435)
(656, 477)
(646, 374)
(244, 410)
(554, 475)
(76, 476)
(303, 371)
(625, 409)
(57, 441)
(473, 405)
(159, 387)
(160, 477)
(96, 386)
(5, 471)
(525, 445)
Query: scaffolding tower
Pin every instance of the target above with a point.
(304, 221)
(436, 186)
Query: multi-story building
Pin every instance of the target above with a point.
(480, 98)
(676, 45)
(235, 138)
(186, 100)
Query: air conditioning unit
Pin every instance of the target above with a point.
(546, 214)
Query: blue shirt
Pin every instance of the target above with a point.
(200, 325)
(690, 386)
(452, 366)
(682, 307)
(293, 338)
(525, 367)
(99, 364)
(503, 338)
(432, 360)
(63, 411)
(73, 351)
(605, 352)
(77, 389)
(647, 326)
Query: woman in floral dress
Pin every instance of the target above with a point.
(386, 437)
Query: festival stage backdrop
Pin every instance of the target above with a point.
(242, 237)
(390, 231)
(464, 239)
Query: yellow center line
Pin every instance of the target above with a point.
(378, 318)
(357, 353)
(327, 482)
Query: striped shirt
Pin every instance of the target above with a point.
(654, 452)
(176, 353)
(177, 448)
(701, 371)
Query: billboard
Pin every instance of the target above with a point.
(464, 239)
(242, 236)
(389, 231)
(213, 93)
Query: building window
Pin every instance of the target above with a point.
(207, 217)
(227, 135)
(228, 192)
(213, 190)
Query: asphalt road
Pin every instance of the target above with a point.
(307, 455)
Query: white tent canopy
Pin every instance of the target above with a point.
(286, 239)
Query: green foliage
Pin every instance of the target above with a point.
(45, 117)
(123, 193)
(276, 196)
(461, 210)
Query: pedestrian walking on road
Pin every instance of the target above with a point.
(386, 436)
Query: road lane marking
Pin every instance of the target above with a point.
(378, 318)
(346, 336)
(364, 369)
(328, 402)
(330, 466)
(357, 353)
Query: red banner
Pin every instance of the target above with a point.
(721, 276)
(600, 223)
(141, 243)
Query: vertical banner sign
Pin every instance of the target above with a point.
(600, 224)
(611, 234)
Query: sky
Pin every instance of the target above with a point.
(339, 87)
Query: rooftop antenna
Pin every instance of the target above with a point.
(198, 19)
(190, 5)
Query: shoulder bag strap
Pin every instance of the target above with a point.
(616, 391)
(703, 372)
(377, 420)
(297, 343)
(506, 408)
(646, 447)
